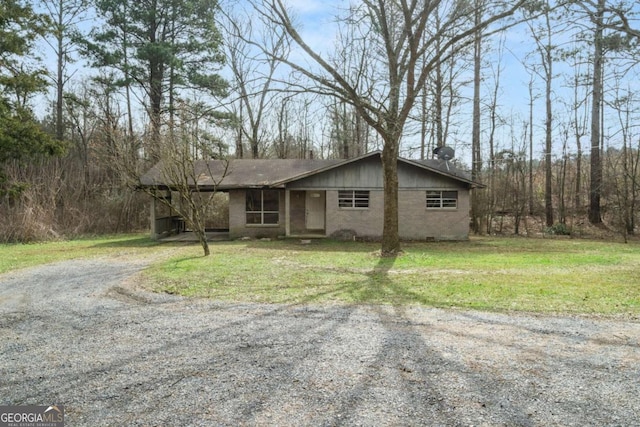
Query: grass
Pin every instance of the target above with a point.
(16, 256)
(568, 276)
(498, 274)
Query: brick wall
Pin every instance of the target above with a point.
(365, 222)
(418, 223)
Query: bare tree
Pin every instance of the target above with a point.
(624, 164)
(511, 183)
(562, 173)
(578, 110)
(476, 151)
(284, 138)
(253, 75)
(543, 36)
(532, 99)
(83, 122)
(349, 135)
(595, 191)
(184, 180)
(185, 195)
(395, 59)
(65, 15)
(494, 123)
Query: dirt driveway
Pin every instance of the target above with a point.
(75, 333)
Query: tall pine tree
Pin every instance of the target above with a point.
(162, 47)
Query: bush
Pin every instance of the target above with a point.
(558, 229)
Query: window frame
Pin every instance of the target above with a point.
(356, 200)
(261, 211)
(443, 203)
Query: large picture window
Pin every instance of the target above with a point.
(353, 199)
(263, 207)
(442, 199)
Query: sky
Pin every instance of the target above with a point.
(316, 19)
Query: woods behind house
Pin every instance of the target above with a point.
(94, 92)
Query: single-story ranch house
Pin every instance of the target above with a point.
(324, 198)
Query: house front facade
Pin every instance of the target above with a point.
(341, 198)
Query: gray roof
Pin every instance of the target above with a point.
(258, 173)
(445, 168)
(239, 173)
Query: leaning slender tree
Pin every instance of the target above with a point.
(186, 178)
(392, 55)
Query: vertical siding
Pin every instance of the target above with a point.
(367, 174)
(364, 174)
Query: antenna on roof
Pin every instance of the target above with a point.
(444, 153)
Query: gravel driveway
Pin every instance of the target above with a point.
(78, 333)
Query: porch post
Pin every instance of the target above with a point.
(287, 209)
(152, 217)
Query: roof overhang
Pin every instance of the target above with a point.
(283, 177)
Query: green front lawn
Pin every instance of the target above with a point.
(15, 256)
(569, 276)
(536, 275)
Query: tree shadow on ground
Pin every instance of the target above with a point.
(244, 364)
(137, 242)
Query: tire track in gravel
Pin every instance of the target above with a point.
(76, 333)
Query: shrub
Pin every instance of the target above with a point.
(558, 229)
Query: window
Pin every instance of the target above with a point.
(263, 207)
(353, 199)
(442, 199)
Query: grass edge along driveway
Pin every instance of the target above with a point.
(496, 274)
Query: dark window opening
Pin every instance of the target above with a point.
(442, 199)
(262, 207)
(353, 199)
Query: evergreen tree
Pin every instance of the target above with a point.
(160, 46)
(21, 137)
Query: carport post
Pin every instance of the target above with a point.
(287, 208)
(154, 235)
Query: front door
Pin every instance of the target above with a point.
(314, 210)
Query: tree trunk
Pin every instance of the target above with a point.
(390, 236)
(240, 130)
(155, 98)
(548, 200)
(531, 192)
(578, 201)
(156, 80)
(476, 166)
(202, 239)
(423, 124)
(437, 100)
(595, 188)
(60, 75)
